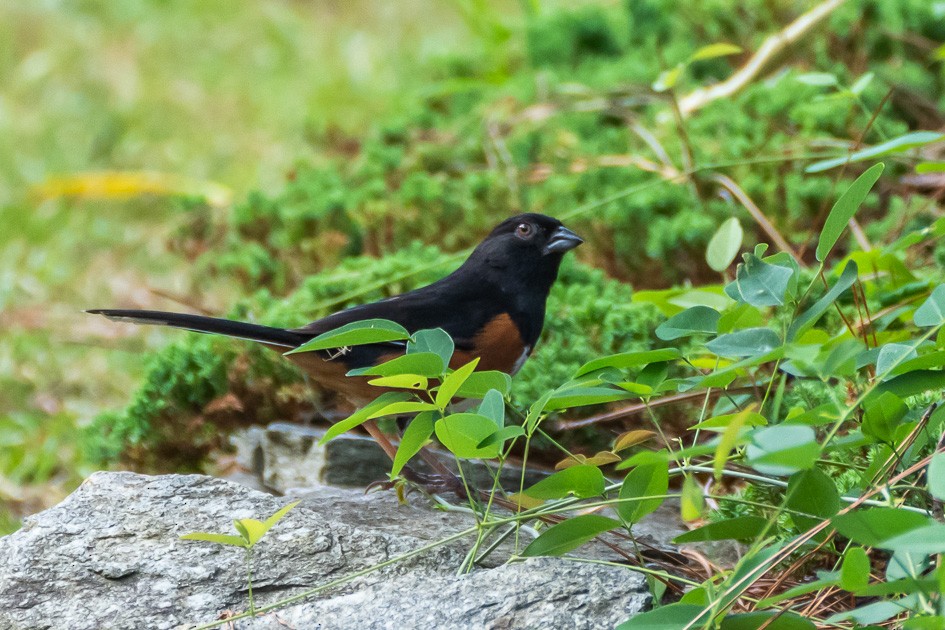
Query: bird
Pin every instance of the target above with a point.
(493, 307)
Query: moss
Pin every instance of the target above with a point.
(550, 132)
(201, 387)
(572, 37)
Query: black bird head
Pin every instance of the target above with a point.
(526, 250)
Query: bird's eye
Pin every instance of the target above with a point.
(523, 230)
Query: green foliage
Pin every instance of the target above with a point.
(439, 175)
(570, 534)
(250, 531)
(356, 334)
(587, 315)
(828, 368)
(568, 38)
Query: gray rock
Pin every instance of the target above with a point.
(286, 456)
(536, 593)
(110, 556)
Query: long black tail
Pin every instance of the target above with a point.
(212, 325)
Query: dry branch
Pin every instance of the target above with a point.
(771, 47)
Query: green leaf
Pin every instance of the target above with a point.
(629, 359)
(930, 167)
(667, 79)
(819, 415)
(892, 355)
(362, 415)
(933, 622)
(712, 51)
(936, 476)
(899, 586)
(692, 501)
(810, 317)
(276, 517)
(882, 415)
(427, 364)
(401, 381)
(461, 434)
(811, 492)
(435, 340)
(453, 382)
(356, 334)
(876, 612)
(818, 79)
(535, 412)
(724, 245)
(653, 375)
(631, 438)
(870, 526)
(758, 283)
(896, 145)
(692, 321)
(580, 481)
(740, 315)
(500, 436)
(710, 296)
(251, 530)
(932, 311)
(860, 85)
(783, 449)
(415, 436)
(646, 480)
(855, 570)
(935, 359)
(844, 209)
(480, 383)
(493, 407)
(767, 619)
(584, 396)
(913, 383)
(721, 423)
(737, 528)
(401, 408)
(220, 539)
(671, 617)
(730, 437)
(928, 539)
(750, 342)
(570, 534)
(723, 377)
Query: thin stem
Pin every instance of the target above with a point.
(249, 579)
(342, 580)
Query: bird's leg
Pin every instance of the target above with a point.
(375, 432)
(442, 480)
(443, 475)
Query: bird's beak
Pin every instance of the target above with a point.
(562, 240)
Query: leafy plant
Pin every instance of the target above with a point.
(846, 486)
(250, 531)
(791, 399)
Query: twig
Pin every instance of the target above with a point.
(756, 214)
(771, 47)
(630, 410)
(799, 541)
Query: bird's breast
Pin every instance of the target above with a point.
(499, 346)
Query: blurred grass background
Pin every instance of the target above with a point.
(264, 158)
(224, 93)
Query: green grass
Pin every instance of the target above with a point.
(233, 93)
